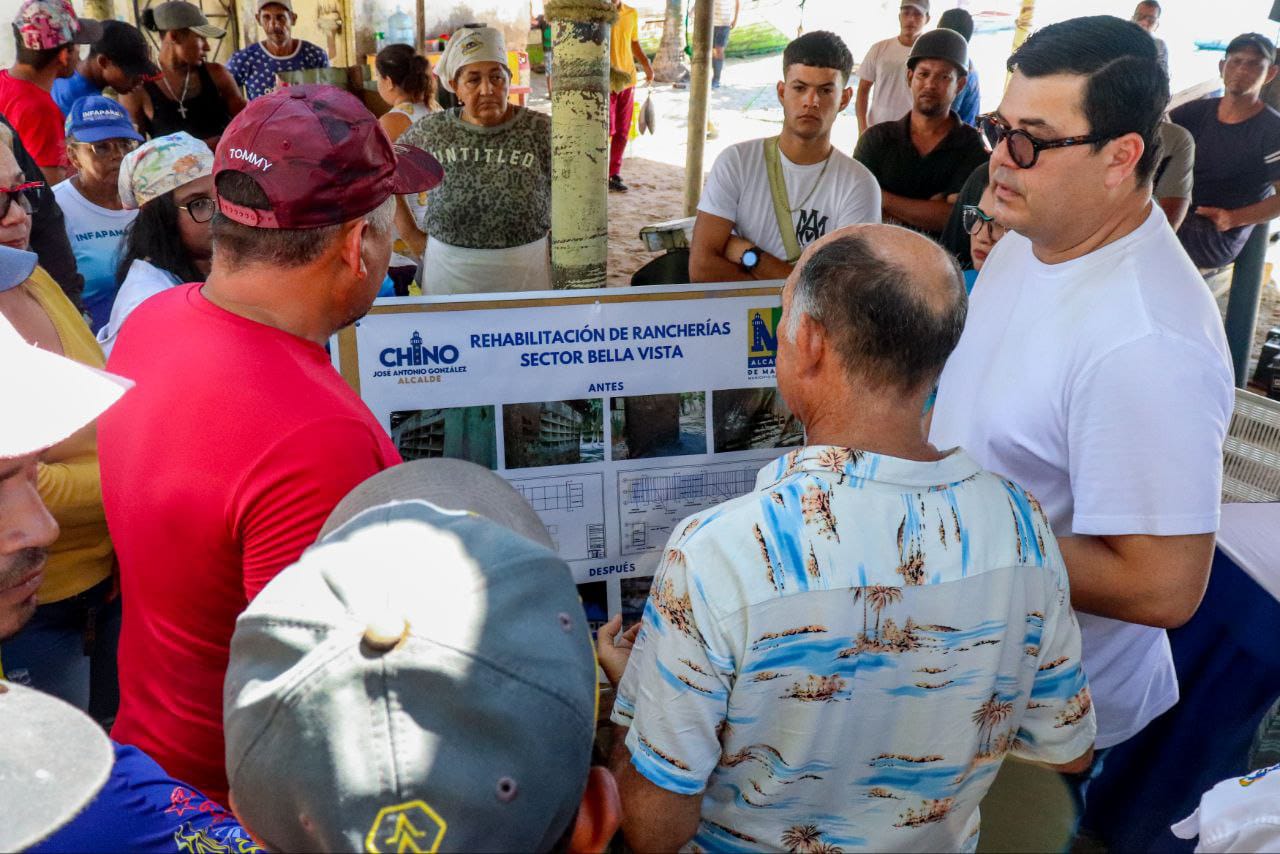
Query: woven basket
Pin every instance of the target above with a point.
(1251, 457)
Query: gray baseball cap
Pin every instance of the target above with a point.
(445, 483)
(424, 674)
(180, 15)
(53, 760)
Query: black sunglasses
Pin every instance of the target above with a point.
(1024, 149)
(200, 209)
(23, 194)
(974, 218)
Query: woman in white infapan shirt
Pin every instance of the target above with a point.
(169, 181)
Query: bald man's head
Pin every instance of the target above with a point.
(892, 302)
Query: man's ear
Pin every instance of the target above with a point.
(810, 344)
(845, 97)
(782, 87)
(599, 815)
(1125, 154)
(354, 233)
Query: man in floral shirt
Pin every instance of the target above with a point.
(842, 658)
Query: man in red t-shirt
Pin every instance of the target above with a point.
(240, 437)
(45, 36)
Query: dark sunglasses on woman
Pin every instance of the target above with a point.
(23, 194)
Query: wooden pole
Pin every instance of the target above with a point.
(699, 93)
(99, 10)
(1022, 28)
(580, 141)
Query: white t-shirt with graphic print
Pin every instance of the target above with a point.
(738, 190)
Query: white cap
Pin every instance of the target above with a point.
(1240, 814)
(470, 45)
(47, 397)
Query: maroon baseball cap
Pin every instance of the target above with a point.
(321, 158)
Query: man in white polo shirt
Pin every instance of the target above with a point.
(1093, 368)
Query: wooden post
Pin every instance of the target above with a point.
(699, 93)
(1022, 28)
(580, 141)
(99, 10)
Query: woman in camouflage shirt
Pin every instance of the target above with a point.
(487, 224)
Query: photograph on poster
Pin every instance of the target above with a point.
(635, 593)
(659, 425)
(595, 602)
(553, 433)
(747, 419)
(462, 432)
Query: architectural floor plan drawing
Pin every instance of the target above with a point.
(572, 508)
(651, 501)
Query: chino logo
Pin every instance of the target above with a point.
(417, 354)
(419, 363)
(762, 341)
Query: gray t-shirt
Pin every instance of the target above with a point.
(496, 191)
(1177, 159)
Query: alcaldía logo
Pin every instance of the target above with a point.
(762, 341)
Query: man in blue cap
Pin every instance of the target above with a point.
(99, 135)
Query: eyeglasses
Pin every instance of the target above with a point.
(974, 218)
(1024, 149)
(20, 193)
(200, 209)
(111, 146)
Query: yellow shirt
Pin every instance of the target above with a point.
(624, 32)
(68, 477)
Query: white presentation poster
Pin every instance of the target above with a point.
(615, 412)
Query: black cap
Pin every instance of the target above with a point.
(127, 47)
(941, 44)
(959, 20)
(1257, 41)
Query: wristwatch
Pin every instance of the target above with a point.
(750, 259)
